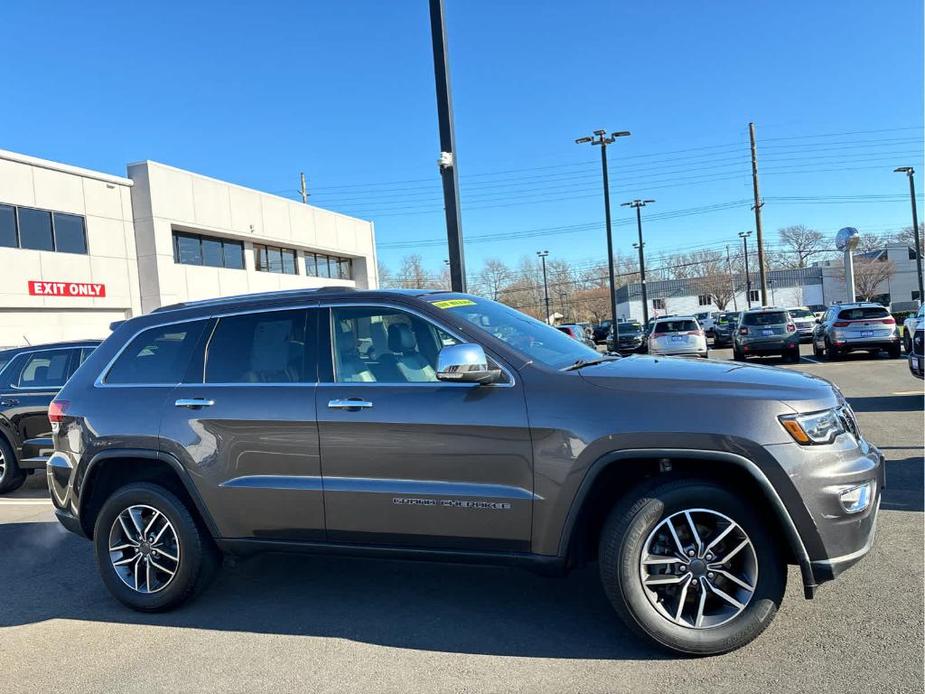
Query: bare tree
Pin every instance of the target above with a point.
(493, 278)
(800, 244)
(386, 278)
(411, 274)
(869, 275)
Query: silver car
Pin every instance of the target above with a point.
(678, 336)
(860, 326)
(804, 320)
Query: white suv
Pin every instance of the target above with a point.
(678, 336)
(909, 327)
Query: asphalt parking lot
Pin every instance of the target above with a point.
(282, 623)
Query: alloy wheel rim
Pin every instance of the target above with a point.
(2, 466)
(144, 549)
(698, 568)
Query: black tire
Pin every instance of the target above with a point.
(792, 355)
(907, 342)
(622, 542)
(198, 556)
(11, 477)
(895, 351)
(737, 355)
(817, 353)
(831, 352)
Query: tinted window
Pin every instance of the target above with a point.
(289, 262)
(45, 369)
(863, 312)
(233, 254)
(35, 229)
(7, 226)
(676, 326)
(212, 254)
(159, 355)
(800, 313)
(271, 347)
(187, 249)
(70, 235)
(384, 345)
(767, 318)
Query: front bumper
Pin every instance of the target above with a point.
(917, 365)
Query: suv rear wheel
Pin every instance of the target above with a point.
(11, 477)
(691, 566)
(151, 552)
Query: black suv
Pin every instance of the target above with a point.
(29, 378)
(440, 425)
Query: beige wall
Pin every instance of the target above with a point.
(105, 203)
(165, 198)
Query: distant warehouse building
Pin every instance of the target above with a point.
(80, 248)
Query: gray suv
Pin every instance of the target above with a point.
(862, 326)
(766, 330)
(445, 426)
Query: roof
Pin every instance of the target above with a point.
(50, 345)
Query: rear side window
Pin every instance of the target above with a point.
(766, 318)
(863, 312)
(675, 326)
(268, 347)
(45, 369)
(157, 356)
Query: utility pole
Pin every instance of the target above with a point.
(542, 255)
(758, 205)
(447, 161)
(735, 302)
(599, 138)
(302, 188)
(910, 172)
(748, 278)
(639, 204)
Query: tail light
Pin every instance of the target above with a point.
(57, 411)
(888, 321)
(841, 324)
(743, 331)
(791, 327)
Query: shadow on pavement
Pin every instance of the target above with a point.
(888, 403)
(51, 574)
(905, 480)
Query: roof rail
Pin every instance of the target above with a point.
(281, 294)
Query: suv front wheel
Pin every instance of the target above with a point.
(151, 552)
(691, 566)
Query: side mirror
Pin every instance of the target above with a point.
(818, 320)
(465, 363)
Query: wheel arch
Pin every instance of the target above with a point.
(621, 472)
(114, 468)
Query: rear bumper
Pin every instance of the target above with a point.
(769, 346)
(850, 344)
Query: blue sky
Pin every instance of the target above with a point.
(254, 93)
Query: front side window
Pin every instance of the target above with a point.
(268, 347)
(35, 229)
(45, 369)
(386, 345)
(157, 356)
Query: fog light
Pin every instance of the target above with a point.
(856, 499)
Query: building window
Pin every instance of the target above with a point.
(704, 300)
(273, 259)
(42, 230)
(658, 304)
(211, 251)
(328, 266)
(915, 294)
(753, 295)
(911, 254)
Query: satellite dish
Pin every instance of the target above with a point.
(847, 239)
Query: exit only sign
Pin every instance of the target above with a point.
(73, 289)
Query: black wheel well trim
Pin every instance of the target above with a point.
(8, 434)
(794, 539)
(161, 456)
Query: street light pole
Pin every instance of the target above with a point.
(542, 255)
(910, 172)
(748, 278)
(601, 139)
(639, 204)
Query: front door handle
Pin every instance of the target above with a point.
(194, 402)
(349, 404)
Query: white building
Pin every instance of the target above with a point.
(80, 249)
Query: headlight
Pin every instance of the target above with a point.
(813, 427)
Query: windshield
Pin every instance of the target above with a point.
(532, 338)
(629, 328)
(675, 326)
(766, 318)
(800, 313)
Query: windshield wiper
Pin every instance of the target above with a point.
(587, 362)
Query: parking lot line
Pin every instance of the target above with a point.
(24, 502)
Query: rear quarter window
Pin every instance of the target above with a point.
(158, 355)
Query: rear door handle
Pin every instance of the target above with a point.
(194, 402)
(350, 404)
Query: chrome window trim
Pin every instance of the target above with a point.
(401, 307)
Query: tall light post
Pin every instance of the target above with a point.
(748, 278)
(910, 172)
(600, 138)
(542, 255)
(639, 204)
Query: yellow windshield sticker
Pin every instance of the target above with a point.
(453, 303)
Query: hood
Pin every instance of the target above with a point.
(674, 376)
